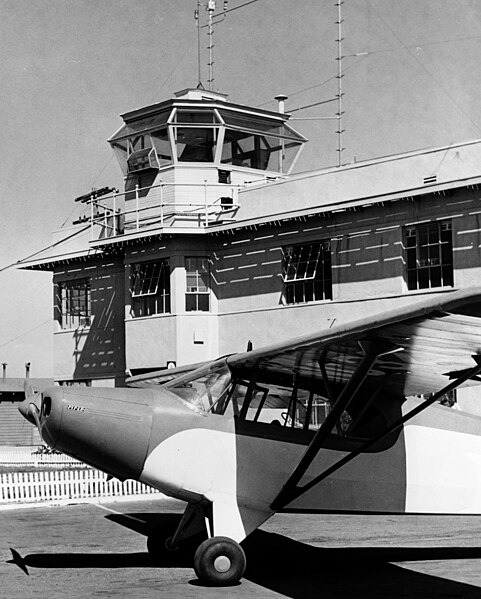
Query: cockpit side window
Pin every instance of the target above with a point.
(300, 409)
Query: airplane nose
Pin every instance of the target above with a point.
(45, 411)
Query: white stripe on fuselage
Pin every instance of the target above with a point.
(204, 462)
(443, 471)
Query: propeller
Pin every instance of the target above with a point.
(30, 406)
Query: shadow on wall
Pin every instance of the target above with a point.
(98, 351)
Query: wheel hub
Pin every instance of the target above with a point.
(222, 563)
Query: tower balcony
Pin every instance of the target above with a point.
(165, 205)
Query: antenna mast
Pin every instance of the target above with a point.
(339, 76)
(210, 8)
(197, 20)
(210, 47)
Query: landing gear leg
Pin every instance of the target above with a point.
(219, 561)
(177, 540)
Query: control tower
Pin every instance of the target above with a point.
(185, 159)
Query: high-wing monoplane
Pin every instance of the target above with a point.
(343, 420)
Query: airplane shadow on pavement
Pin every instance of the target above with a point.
(292, 568)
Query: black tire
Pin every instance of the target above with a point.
(219, 561)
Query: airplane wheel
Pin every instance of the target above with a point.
(219, 561)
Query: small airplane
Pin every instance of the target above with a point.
(334, 421)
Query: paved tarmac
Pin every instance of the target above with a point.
(89, 550)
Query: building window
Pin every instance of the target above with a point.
(76, 383)
(306, 271)
(197, 296)
(150, 288)
(74, 303)
(429, 255)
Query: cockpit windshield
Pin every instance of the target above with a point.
(205, 387)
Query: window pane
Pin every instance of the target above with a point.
(195, 144)
(436, 277)
(411, 258)
(74, 303)
(307, 272)
(150, 288)
(191, 302)
(142, 125)
(423, 277)
(447, 272)
(162, 146)
(197, 284)
(203, 302)
(427, 248)
(195, 116)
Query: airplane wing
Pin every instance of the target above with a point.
(427, 348)
(419, 348)
(160, 377)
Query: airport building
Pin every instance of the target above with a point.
(215, 244)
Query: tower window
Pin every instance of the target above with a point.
(197, 295)
(429, 255)
(150, 288)
(307, 273)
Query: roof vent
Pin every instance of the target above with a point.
(431, 179)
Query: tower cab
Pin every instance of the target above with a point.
(185, 159)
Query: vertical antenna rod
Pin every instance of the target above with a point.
(197, 20)
(210, 10)
(339, 76)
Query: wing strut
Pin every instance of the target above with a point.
(372, 351)
(291, 491)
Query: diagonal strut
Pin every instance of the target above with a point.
(295, 491)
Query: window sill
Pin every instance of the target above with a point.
(429, 290)
(151, 316)
(81, 329)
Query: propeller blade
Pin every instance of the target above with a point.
(28, 389)
(30, 406)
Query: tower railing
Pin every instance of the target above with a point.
(164, 205)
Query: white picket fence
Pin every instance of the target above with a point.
(30, 487)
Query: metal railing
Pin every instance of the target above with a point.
(161, 205)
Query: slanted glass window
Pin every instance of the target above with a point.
(195, 116)
(258, 143)
(74, 303)
(197, 295)
(259, 125)
(142, 125)
(150, 288)
(195, 144)
(263, 152)
(306, 271)
(429, 255)
(195, 141)
(140, 151)
(143, 144)
(163, 149)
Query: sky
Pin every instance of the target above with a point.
(69, 68)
